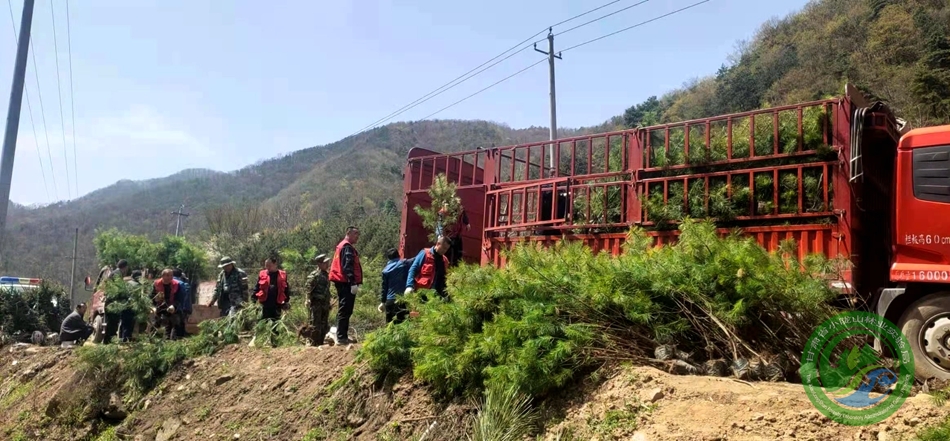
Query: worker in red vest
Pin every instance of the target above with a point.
(272, 291)
(429, 268)
(166, 298)
(347, 276)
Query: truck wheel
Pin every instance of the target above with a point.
(98, 329)
(926, 324)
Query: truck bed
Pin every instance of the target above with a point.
(789, 172)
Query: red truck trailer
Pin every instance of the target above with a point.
(842, 177)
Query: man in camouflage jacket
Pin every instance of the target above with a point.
(318, 284)
(231, 289)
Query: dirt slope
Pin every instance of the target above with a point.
(641, 403)
(318, 393)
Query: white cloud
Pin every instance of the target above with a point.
(142, 131)
(109, 148)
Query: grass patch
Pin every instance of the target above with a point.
(941, 396)
(939, 432)
(504, 415)
(625, 418)
(315, 434)
(15, 394)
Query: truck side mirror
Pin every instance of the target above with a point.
(88, 283)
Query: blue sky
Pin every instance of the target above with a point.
(162, 86)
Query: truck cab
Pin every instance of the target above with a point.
(919, 301)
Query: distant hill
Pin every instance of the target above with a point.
(366, 169)
(896, 51)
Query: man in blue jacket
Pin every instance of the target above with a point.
(186, 300)
(394, 280)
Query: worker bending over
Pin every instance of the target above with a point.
(428, 270)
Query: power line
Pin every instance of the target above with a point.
(489, 87)
(72, 100)
(59, 86)
(465, 76)
(599, 18)
(29, 108)
(406, 109)
(39, 94)
(636, 25)
(572, 47)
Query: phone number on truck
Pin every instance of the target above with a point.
(929, 276)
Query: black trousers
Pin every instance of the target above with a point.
(455, 251)
(77, 337)
(170, 323)
(347, 299)
(112, 327)
(396, 311)
(126, 324)
(181, 325)
(270, 312)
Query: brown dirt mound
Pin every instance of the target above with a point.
(33, 380)
(308, 393)
(283, 394)
(646, 404)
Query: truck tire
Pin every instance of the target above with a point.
(98, 329)
(926, 323)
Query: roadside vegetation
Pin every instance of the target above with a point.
(552, 315)
(22, 312)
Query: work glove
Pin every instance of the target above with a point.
(354, 289)
(380, 307)
(408, 291)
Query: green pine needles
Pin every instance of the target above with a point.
(551, 314)
(442, 193)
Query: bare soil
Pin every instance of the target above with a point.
(643, 403)
(323, 393)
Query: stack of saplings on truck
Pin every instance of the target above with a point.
(842, 177)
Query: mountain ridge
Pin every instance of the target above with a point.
(895, 51)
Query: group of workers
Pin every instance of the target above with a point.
(171, 293)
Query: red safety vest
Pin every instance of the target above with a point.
(336, 268)
(160, 288)
(426, 275)
(263, 281)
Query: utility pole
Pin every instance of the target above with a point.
(179, 213)
(551, 57)
(13, 114)
(72, 274)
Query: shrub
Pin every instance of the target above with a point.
(552, 313)
(503, 415)
(42, 309)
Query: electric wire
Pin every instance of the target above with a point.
(72, 100)
(572, 47)
(29, 108)
(39, 94)
(636, 25)
(468, 75)
(59, 86)
(598, 19)
(488, 87)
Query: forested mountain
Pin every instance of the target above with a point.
(363, 170)
(896, 51)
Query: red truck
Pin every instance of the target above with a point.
(842, 177)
